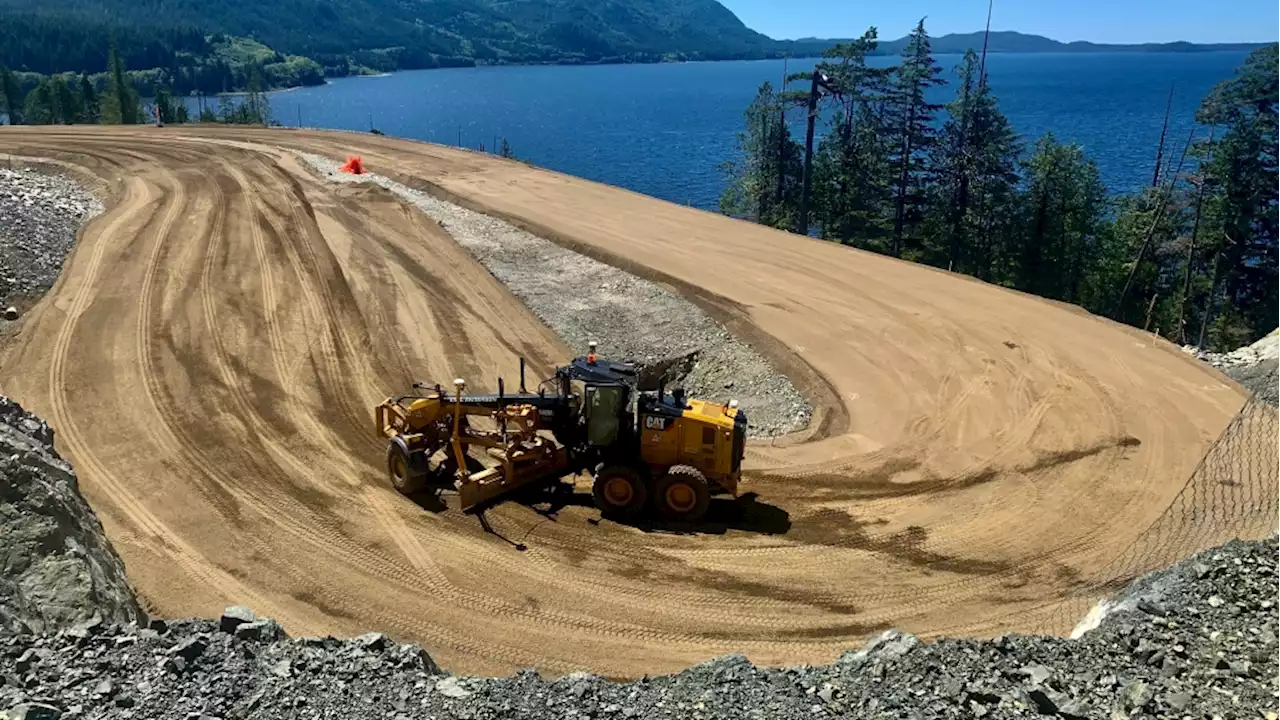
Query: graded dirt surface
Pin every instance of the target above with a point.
(212, 352)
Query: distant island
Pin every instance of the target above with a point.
(1007, 41)
(217, 46)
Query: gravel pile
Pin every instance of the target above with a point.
(582, 299)
(1198, 640)
(57, 569)
(40, 214)
(1253, 366)
(1262, 379)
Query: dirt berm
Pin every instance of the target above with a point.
(212, 351)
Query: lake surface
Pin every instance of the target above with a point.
(665, 130)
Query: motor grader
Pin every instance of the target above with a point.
(642, 448)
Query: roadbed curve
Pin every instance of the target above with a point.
(975, 453)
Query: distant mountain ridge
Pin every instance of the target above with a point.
(185, 44)
(1010, 41)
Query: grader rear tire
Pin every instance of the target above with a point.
(683, 494)
(400, 470)
(619, 491)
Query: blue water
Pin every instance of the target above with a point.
(665, 130)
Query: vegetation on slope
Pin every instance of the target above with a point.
(1194, 257)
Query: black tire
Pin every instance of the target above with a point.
(619, 491)
(683, 494)
(400, 468)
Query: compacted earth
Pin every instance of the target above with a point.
(1198, 639)
(210, 354)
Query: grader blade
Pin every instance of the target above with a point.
(520, 467)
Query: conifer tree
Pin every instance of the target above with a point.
(68, 105)
(974, 176)
(90, 112)
(851, 167)
(912, 132)
(41, 106)
(11, 94)
(764, 183)
(120, 104)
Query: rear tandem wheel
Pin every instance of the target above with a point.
(682, 494)
(619, 491)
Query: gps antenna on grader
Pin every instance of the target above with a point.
(642, 447)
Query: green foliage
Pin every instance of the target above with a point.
(11, 95)
(41, 107)
(120, 103)
(765, 184)
(1194, 259)
(1240, 168)
(911, 134)
(59, 35)
(850, 173)
(165, 106)
(974, 169)
(1062, 214)
(90, 113)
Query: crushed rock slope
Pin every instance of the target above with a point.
(1196, 640)
(57, 569)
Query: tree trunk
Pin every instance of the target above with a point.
(1208, 303)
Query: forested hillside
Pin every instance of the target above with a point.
(380, 33)
(1194, 257)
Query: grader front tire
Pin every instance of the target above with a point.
(401, 470)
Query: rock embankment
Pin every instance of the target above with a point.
(1202, 646)
(582, 300)
(1196, 640)
(40, 214)
(1256, 367)
(57, 569)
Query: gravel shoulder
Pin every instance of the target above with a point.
(631, 318)
(40, 213)
(1254, 366)
(1198, 641)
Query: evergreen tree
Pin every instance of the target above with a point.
(1063, 221)
(1240, 171)
(164, 106)
(259, 109)
(181, 115)
(90, 112)
(1148, 258)
(11, 94)
(119, 103)
(912, 131)
(764, 185)
(41, 106)
(851, 165)
(974, 172)
(67, 103)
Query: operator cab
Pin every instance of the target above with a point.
(601, 391)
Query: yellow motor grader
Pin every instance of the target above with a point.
(643, 448)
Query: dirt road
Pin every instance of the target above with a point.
(212, 352)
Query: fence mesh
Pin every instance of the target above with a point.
(1233, 493)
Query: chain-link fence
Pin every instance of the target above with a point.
(1233, 493)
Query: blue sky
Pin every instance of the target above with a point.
(1110, 21)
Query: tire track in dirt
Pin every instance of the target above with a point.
(961, 491)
